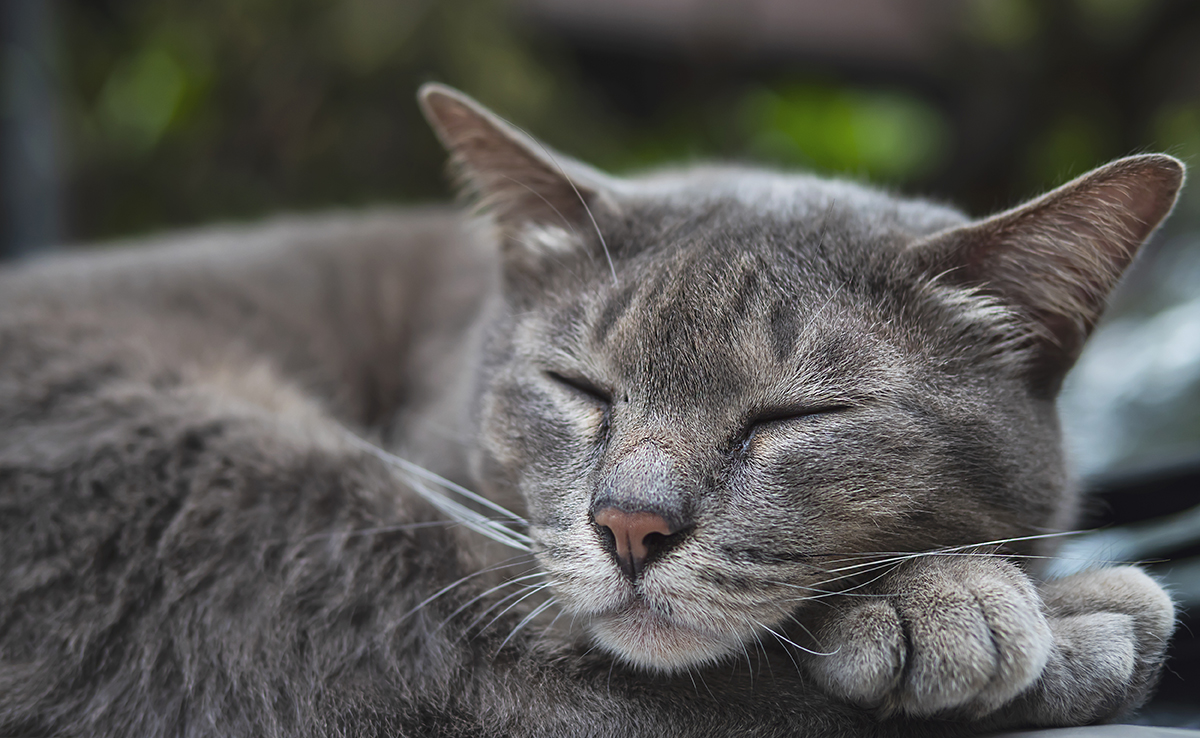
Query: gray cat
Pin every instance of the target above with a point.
(759, 454)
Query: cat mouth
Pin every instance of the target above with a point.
(644, 637)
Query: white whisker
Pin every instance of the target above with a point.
(532, 590)
(582, 201)
(749, 666)
(481, 595)
(566, 221)
(825, 592)
(795, 663)
(951, 549)
(479, 618)
(525, 621)
(550, 625)
(416, 477)
(457, 583)
(765, 657)
(383, 529)
(889, 565)
(790, 642)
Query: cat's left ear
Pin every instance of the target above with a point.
(1056, 258)
(517, 178)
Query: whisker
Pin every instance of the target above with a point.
(795, 663)
(525, 621)
(875, 555)
(889, 565)
(532, 590)
(452, 585)
(964, 547)
(1001, 555)
(888, 568)
(566, 221)
(424, 473)
(383, 529)
(951, 549)
(496, 531)
(825, 591)
(749, 666)
(703, 681)
(809, 633)
(553, 620)
(582, 201)
(789, 641)
(479, 618)
(765, 657)
(416, 478)
(480, 596)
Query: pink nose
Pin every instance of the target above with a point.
(636, 535)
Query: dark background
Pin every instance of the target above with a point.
(160, 113)
(123, 117)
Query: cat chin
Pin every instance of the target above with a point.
(645, 639)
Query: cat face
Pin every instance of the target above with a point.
(725, 393)
(747, 379)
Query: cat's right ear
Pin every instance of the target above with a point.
(516, 178)
(1055, 259)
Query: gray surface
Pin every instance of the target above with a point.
(1105, 731)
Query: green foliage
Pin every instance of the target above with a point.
(1004, 23)
(1070, 145)
(180, 112)
(880, 135)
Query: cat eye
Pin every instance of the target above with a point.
(582, 386)
(782, 415)
(794, 413)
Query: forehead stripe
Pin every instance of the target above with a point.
(616, 307)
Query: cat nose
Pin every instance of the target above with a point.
(636, 536)
(641, 507)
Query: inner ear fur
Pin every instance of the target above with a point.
(1057, 258)
(516, 178)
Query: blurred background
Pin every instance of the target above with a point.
(124, 117)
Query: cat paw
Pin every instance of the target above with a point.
(1111, 628)
(961, 634)
(971, 636)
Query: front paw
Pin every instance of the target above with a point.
(964, 634)
(1111, 629)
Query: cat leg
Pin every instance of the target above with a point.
(966, 636)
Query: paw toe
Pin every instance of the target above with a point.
(866, 653)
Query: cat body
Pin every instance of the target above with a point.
(732, 413)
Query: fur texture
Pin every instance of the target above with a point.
(842, 401)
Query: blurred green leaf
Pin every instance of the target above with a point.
(370, 32)
(1003, 23)
(141, 97)
(1070, 145)
(1176, 130)
(1113, 20)
(884, 135)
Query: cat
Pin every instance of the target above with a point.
(712, 451)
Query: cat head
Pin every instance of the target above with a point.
(722, 391)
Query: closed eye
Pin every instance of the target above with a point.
(780, 415)
(581, 386)
(783, 415)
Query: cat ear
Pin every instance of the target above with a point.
(517, 178)
(1056, 258)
